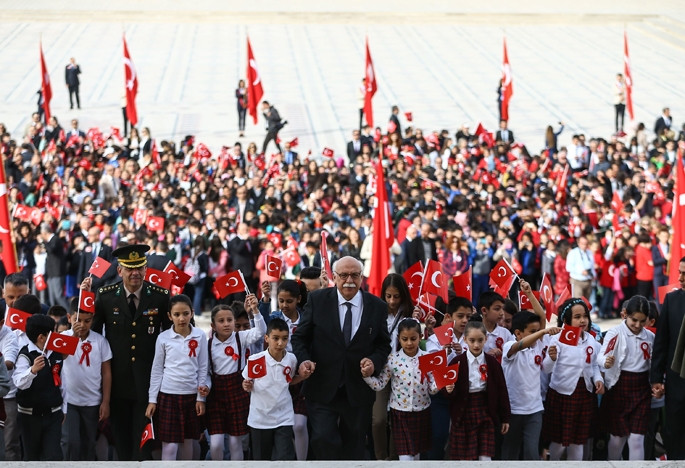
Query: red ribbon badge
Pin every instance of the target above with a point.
(645, 350)
(192, 346)
(55, 375)
(86, 348)
(247, 353)
(483, 372)
(538, 360)
(588, 353)
(286, 372)
(499, 342)
(229, 352)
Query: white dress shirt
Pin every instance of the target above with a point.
(578, 261)
(292, 325)
(433, 345)
(174, 370)
(21, 341)
(357, 304)
(23, 377)
(571, 365)
(476, 384)
(522, 375)
(222, 363)
(628, 352)
(491, 338)
(85, 381)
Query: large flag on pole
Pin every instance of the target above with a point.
(383, 234)
(678, 240)
(371, 86)
(9, 252)
(507, 85)
(45, 86)
(254, 83)
(629, 77)
(131, 80)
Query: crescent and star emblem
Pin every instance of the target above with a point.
(256, 369)
(59, 342)
(230, 280)
(434, 276)
(253, 65)
(501, 272)
(568, 335)
(269, 266)
(88, 302)
(451, 374)
(132, 71)
(153, 280)
(15, 319)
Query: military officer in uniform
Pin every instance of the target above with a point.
(132, 313)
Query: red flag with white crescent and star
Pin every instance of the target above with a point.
(179, 277)
(254, 83)
(446, 376)
(229, 284)
(160, 278)
(155, 224)
(45, 87)
(274, 266)
(99, 267)
(433, 361)
(507, 84)
(570, 335)
(256, 368)
(148, 434)
(444, 334)
(9, 252)
(86, 301)
(414, 277)
(371, 86)
(547, 296)
(463, 284)
(628, 77)
(16, 319)
(383, 235)
(501, 273)
(325, 260)
(435, 281)
(63, 344)
(678, 223)
(131, 83)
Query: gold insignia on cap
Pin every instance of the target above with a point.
(133, 255)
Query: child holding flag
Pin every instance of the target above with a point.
(625, 358)
(178, 382)
(571, 400)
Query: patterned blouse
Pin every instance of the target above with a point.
(409, 392)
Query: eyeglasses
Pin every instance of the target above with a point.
(355, 276)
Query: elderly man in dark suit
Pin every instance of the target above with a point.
(663, 354)
(71, 73)
(339, 328)
(94, 249)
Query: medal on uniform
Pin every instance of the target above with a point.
(150, 330)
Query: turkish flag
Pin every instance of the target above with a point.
(408, 116)
(486, 136)
(16, 319)
(9, 253)
(254, 83)
(371, 86)
(616, 203)
(179, 277)
(294, 142)
(276, 239)
(229, 284)
(414, 277)
(563, 297)
(155, 224)
(274, 265)
(444, 334)
(256, 368)
(663, 290)
(426, 301)
(202, 152)
(139, 216)
(463, 284)
(524, 302)
(570, 335)
(325, 260)
(328, 152)
(22, 212)
(99, 267)
(547, 295)
(628, 77)
(383, 234)
(160, 278)
(36, 216)
(446, 376)
(435, 281)
(507, 85)
(433, 361)
(678, 219)
(39, 282)
(63, 344)
(611, 345)
(86, 301)
(501, 273)
(291, 257)
(45, 86)
(516, 265)
(131, 82)
(561, 186)
(148, 434)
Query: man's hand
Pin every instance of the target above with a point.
(505, 428)
(306, 368)
(104, 411)
(658, 390)
(367, 367)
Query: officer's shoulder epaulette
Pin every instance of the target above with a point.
(108, 288)
(157, 289)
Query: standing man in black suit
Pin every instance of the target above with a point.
(71, 73)
(354, 147)
(339, 328)
(94, 249)
(273, 125)
(55, 264)
(394, 120)
(132, 313)
(668, 329)
(662, 126)
(504, 134)
(422, 247)
(242, 252)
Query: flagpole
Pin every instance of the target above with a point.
(247, 290)
(46, 343)
(78, 308)
(512, 270)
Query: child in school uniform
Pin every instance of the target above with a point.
(625, 359)
(227, 403)
(89, 383)
(479, 404)
(178, 382)
(271, 416)
(410, 392)
(491, 306)
(571, 400)
(41, 391)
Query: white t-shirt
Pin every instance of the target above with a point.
(84, 375)
(522, 374)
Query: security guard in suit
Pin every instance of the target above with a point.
(132, 313)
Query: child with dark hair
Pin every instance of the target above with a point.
(57, 312)
(313, 278)
(571, 400)
(41, 392)
(491, 307)
(510, 309)
(410, 393)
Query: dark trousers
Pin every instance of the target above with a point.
(440, 427)
(620, 114)
(271, 135)
(81, 426)
(73, 91)
(361, 117)
(241, 119)
(338, 428)
(40, 436)
(128, 421)
(127, 124)
(524, 431)
(273, 444)
(644, 288)
(675, 416)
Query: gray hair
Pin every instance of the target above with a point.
(361, 265)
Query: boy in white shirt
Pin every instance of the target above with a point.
(491, 306)
(271, 417)
(89, 377)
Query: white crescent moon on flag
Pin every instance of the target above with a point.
(253, 65)
(451, 374)
(546, 294)
(435, 276)
(145, 434)
(369, 77)
(506, 69)
(153, 224)
(256, 369)
(14, 319)
(501, 272)
(152, 279)
(420, 273)
(440, 359)
(270, 268)
(88, 302)
(59, 342)
(568, 335)
(3, 229)
(228, 283)
(128, 64)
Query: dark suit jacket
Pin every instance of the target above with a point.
(660, 125)
(415, 251)
(352, 154)
(510, 136)
(496, 390)
(660, 263)
(396, 121)
(55, 262)
(319, 339)
(670, 321)
(71, 75)
(157, 261)
(273, 120)
(87, 261)
(242, 257)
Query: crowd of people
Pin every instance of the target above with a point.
(593, 215)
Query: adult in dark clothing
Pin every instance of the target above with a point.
(55, 264)
(354, 147)
(273, 125)
(394, 121)
(241, 97)
(94, 249)
(341, 329)
(423, 247)
(242, 252)
(71, 73)
(132, 313)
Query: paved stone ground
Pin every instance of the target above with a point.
(441, 60)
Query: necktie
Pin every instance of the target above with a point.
(132, 304)
(347, 324)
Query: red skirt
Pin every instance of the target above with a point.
(177, 418)
(227, 405)
(299, 403)
(568, 418)
(625, 408)
(474, 436)
(411, 431)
